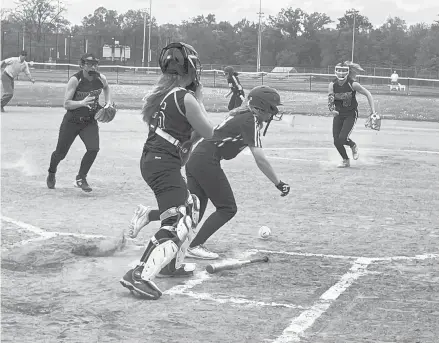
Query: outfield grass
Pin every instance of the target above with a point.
(295, 102)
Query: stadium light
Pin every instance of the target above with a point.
(144, 10)
(258, 60)
(354, 12)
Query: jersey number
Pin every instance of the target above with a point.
(158, 119)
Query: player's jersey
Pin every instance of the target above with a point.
(344, 97)
(233, 135)
(86, 87)
(172, 120)
(234, 84)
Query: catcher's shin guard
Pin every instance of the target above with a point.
(163, 251)
(194, 210)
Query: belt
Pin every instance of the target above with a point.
(80, 119)
(168, 137)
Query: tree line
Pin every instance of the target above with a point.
(293, 37)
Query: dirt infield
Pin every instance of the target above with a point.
(353, 255)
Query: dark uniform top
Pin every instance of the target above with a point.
(172, 120)
(86, 87)
(344, 97)
(234, 84)
(232, 136)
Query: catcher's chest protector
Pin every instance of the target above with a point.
(344, 97)
(85, 88)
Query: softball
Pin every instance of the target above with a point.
(264, 232)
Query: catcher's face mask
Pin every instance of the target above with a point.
(341, 72)
(180, 59)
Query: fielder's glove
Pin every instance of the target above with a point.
(106, 113)
(373, 122)
(284, 188)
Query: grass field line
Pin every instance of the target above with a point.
(369, 149)
(307, 318)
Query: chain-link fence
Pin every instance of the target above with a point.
(130, 51)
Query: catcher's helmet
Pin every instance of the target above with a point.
(179, 59)
(90, 58)
(267, 99)
(229, 70)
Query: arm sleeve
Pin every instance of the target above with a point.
(251, 133)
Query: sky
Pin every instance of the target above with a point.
(173, 11)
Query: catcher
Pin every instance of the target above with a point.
(81, 101)
(342, 99)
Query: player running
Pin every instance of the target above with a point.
(81, 101)
(342, 99)
(238, 95)
(205, 176)
(13, 67)
(172, 113)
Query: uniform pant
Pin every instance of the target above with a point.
(7, 89)
(162, 172)
(235, 101)
(207, 180)
(68, 131)
(342, 126)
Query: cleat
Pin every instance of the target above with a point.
(186, 270)
(355, 153)
(139, 220)
(51, 180)
(145, 289)
(345, 164)
(82, 183)
(202, 253)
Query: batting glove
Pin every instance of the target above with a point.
(284, 188)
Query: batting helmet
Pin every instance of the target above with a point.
(267, 99)
(179, 59)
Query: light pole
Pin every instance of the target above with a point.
(144, 35)
(149, 33)
(258, 60)
(354, 12)
(144, 10)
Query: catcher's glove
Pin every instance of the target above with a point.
(106, 113)
(373, 122)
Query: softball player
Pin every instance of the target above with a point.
(13, 67)
(81, 101)
(342, 99)
(172, 113)
(238, 95)
(205, 177)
